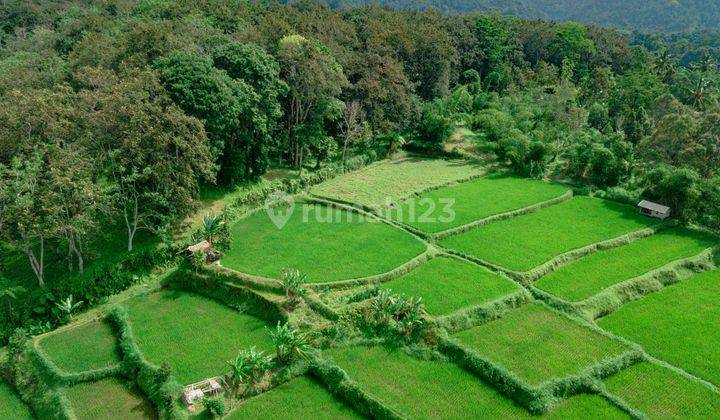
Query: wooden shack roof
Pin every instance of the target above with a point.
(653, 206)
(203, 246)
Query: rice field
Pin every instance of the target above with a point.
(390, 181)
(88, 346)
(537, 344)
(473, 200)
(663, 394)
(586, 406)
(11, 407)
(108, 398)
(194, 335)
(420, 388)
(300, 398)
(585, 277)
(679, 324)
(523, 242)
(447, 285)
(325, 243)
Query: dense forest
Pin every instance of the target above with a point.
(644, 15)
(117, 113)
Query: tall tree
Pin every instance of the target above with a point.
(315, 81)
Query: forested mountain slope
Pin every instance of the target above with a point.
(646, 15)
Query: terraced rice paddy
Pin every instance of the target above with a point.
(303, 397)
(585, 277)
(194, 335)
(586, 406)
(390, 181)
(108, 398)
(329, 244)
(422, 389)
(11, 407)
(538, 344)
(664, 394)
(447, 285)
(523, 242)
(471, 201)
(89, 346)
(679, 324)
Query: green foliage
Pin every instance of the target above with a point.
(292, 283)
(247, 370)
(290, 344)
(215, 406)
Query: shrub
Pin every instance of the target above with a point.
(215, 406)
(290, 344)
(247, 370)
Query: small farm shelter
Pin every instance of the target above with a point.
(206, 248)
(200, 390)
(656, 210)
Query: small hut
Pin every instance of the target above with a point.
(205, 247)
(656, 210)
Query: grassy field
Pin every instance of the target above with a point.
(339, 246)
(679, 324)
(590, 275)
(663, 394)
(301, 398)
(538, 344)
(472, 201)
(88, 346)
(422, 389)
(447, 284)
(194, 335)
(11, 407)
(585, 406)
(374, 185)
(108, 398)
(523, 242)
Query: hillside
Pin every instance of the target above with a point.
(645, 15)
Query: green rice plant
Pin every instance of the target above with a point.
(193, 334)
(108, 398)
(523, 242)
(477, 315)
(586, 406)
(390, 181)
(419, 388)
(583, 278)
(87, 346)
(538, 344)
(11, 406)
(678, 324)
(472, 201)
(303, 397)
(449, 284)
(355, 245)
(661, 392)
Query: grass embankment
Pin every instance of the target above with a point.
(88, 346)
(679, 324)
(194, 335)
(108, 398)
(447, 285)
(325, 243)
(537, 344)
(663, 394)
(471, 201)
(389, 181)
(422, 389)
(523, 242)
(583, 278)
(301, 398)
(11, 407)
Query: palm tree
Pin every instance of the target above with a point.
(247, 369)
(665, 66)
(292, 282)
(68, 306)
(212, 226)
(290, 343)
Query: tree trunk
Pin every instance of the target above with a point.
(37, 264)
(131, 227)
